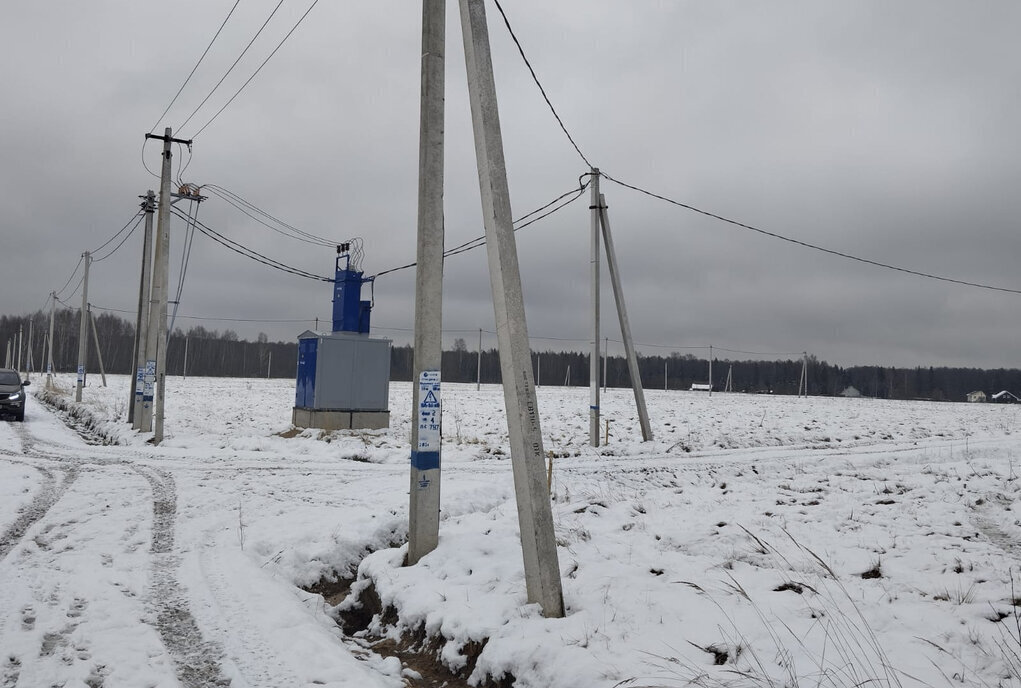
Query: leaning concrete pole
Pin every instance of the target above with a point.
(593, 385)
(625, 323)
(142, 320)
(424, 508)
(535, 516)
(83, 332)
(95, 340)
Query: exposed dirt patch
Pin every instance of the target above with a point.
(417, 650)
(290, 434)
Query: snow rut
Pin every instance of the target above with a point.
(51, 491)
(197, 661)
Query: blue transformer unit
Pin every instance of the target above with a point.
(343, 379)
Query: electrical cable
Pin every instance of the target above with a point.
(535, 78)
(138, 213)
(259, 69)
(721, 218)
(145, 141)
(814, 247)
(73, 273)
(241, 204)
(192, 73)
(227, 73)
(481, 240)
(126, 237)
(76, 288)
(251, 253)
(189, 238)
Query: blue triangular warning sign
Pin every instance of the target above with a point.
(430, 401)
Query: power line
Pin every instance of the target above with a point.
(126, 237)
(73, 273)
(535, 78)
(236, 94)
(481, 240)
(248, 252)
(814, 247)
(241, 204)
(138, 213)
(192, 73)
(231, 68)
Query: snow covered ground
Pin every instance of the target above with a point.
(758, 540)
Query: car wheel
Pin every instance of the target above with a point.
(20, 417)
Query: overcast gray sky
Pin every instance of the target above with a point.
(885, 130)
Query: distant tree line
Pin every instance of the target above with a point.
(224, 354)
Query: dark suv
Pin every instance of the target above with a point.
(12, 393)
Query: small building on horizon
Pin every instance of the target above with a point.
(851, 392)
(977, 397)
(701, 387)
(1005, 397)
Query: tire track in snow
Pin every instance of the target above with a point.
(197, 660)
(247, 646)
(49, 493)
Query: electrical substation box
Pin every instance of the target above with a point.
(343, 379)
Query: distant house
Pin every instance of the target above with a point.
(1005, 397)
(700, 387)
(850, 392)
(976, 396)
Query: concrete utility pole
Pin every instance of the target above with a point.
(83, 332)
(729, 387)
(535, 516)
(606, 358)
(803, 383)
(184, 368)
(95, 340)
(593, 395)
(29, 361)
(142, 320)
(157, 354)
(710, 370)
(424, 511)
(269, 366)
(49, 342)
(478, 369)
(625, 324)
(665, 375)
(21, 337)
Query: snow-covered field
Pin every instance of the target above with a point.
(757, 541)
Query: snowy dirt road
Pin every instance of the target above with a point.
(106, 572)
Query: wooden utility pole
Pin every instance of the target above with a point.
(156, 355)
(535, 515)
(593, 395)
(83, 332)
(142, 319)
(424, 507)
(478, 369)
(625, 323)
(803, 383)
(729, 387)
